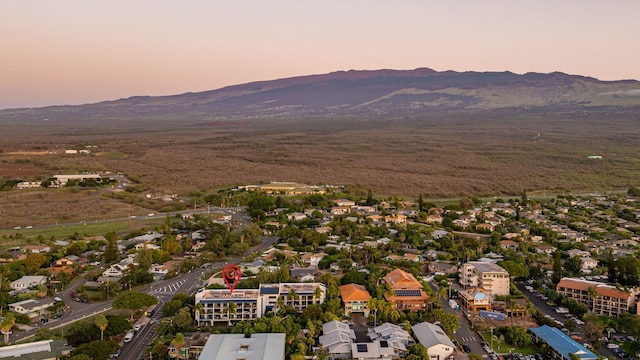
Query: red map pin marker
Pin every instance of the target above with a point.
(231, 275)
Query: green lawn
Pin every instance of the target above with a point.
(503, 347)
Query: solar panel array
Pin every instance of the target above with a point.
(362, 348)
(384, 344)
(407, 292)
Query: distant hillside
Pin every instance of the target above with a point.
(354, 92)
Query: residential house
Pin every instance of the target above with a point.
(588, 264)
(406, 291)
(69, 261)
(432, 337)
(32, 308)
(36, 249)
(536, 239)
(578, 252)
(313, 259)
(434, 219)
(397, 219)
(440, 268)
(545, 249)
(340, 210)
(304, 274)
(296, 216)
(42, 350)
(375, 219)
(601, 299)
(439, 234)
(336, 339)
(192, 347)
(511, 236)
(397, 337)
(412, 257)
(355, 298)
(344, 202)
(199, 246)
(487, 275)
(376, 350)
(323, 229)
(485, 226)
(509, 245)
(239, 346)
(150, 246)
(28, 281)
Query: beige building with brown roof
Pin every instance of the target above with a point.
(602, 299)
(487, 275)
(355, 298)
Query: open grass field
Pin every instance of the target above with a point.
(491, 153)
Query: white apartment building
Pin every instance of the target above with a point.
(489, 276)
(222, 305)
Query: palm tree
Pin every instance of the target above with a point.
(6, 325)
(317, 294)
(279, 304)
(178, 342)
(198, 310)
(593, 297)
(102, 323)
(292, 296)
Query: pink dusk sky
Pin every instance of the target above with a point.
(74, 52)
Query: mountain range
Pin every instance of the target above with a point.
(380, 92)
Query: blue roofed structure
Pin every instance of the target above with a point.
(561, 343)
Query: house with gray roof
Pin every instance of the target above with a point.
(433, 338)
(336, 339)
(28, 281)
(41, 350)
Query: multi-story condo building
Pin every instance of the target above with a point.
(602, 299)
(296, 295)
(222, 305)
(487, 275)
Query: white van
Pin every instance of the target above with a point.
(129, 336)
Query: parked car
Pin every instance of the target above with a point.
(466, 348)
(612, 346)
(129, 336)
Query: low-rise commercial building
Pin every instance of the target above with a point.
(560, 344)
(239, 346)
